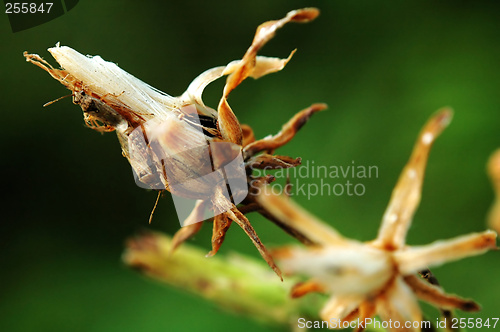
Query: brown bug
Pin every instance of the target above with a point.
(97, 114)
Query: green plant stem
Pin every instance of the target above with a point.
(240, 284)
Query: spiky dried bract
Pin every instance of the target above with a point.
(406, 195)
(230, 128)
(494, 173)
(415, 258)
(436, 296)
(164, 138)
(377, 277)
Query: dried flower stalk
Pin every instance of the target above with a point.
(379, 276)
(154, 128)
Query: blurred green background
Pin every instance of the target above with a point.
(383, 67)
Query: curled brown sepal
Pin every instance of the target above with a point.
(435, 296)
(286, 133)
(302, 288)
(227, 122)
(267, 161)
(233, 214)
(221, 226)
(405, 197)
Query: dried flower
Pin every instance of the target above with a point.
(173, 143)
(494, 172)
(377, 277)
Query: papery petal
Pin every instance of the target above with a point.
(413, 259)
(406, 195)
(437, 297)
(193, 95)
(264, 65)
(400, 306)
(228, 124)
(106, 78)
(194, 92)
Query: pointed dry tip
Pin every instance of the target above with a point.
(494, 165)
(304, 15)
(489, 240)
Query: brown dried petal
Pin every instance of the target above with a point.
(228, 123)
(287, 132)
(406, 195)
(193, 95)
(264, 33)
(435, 295)
(267, 161)
(248, 135)
(221, 225)
(302, 288)
(416, 258)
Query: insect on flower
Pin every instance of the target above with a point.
(379, 276)
(96, 113)
(178, 143)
